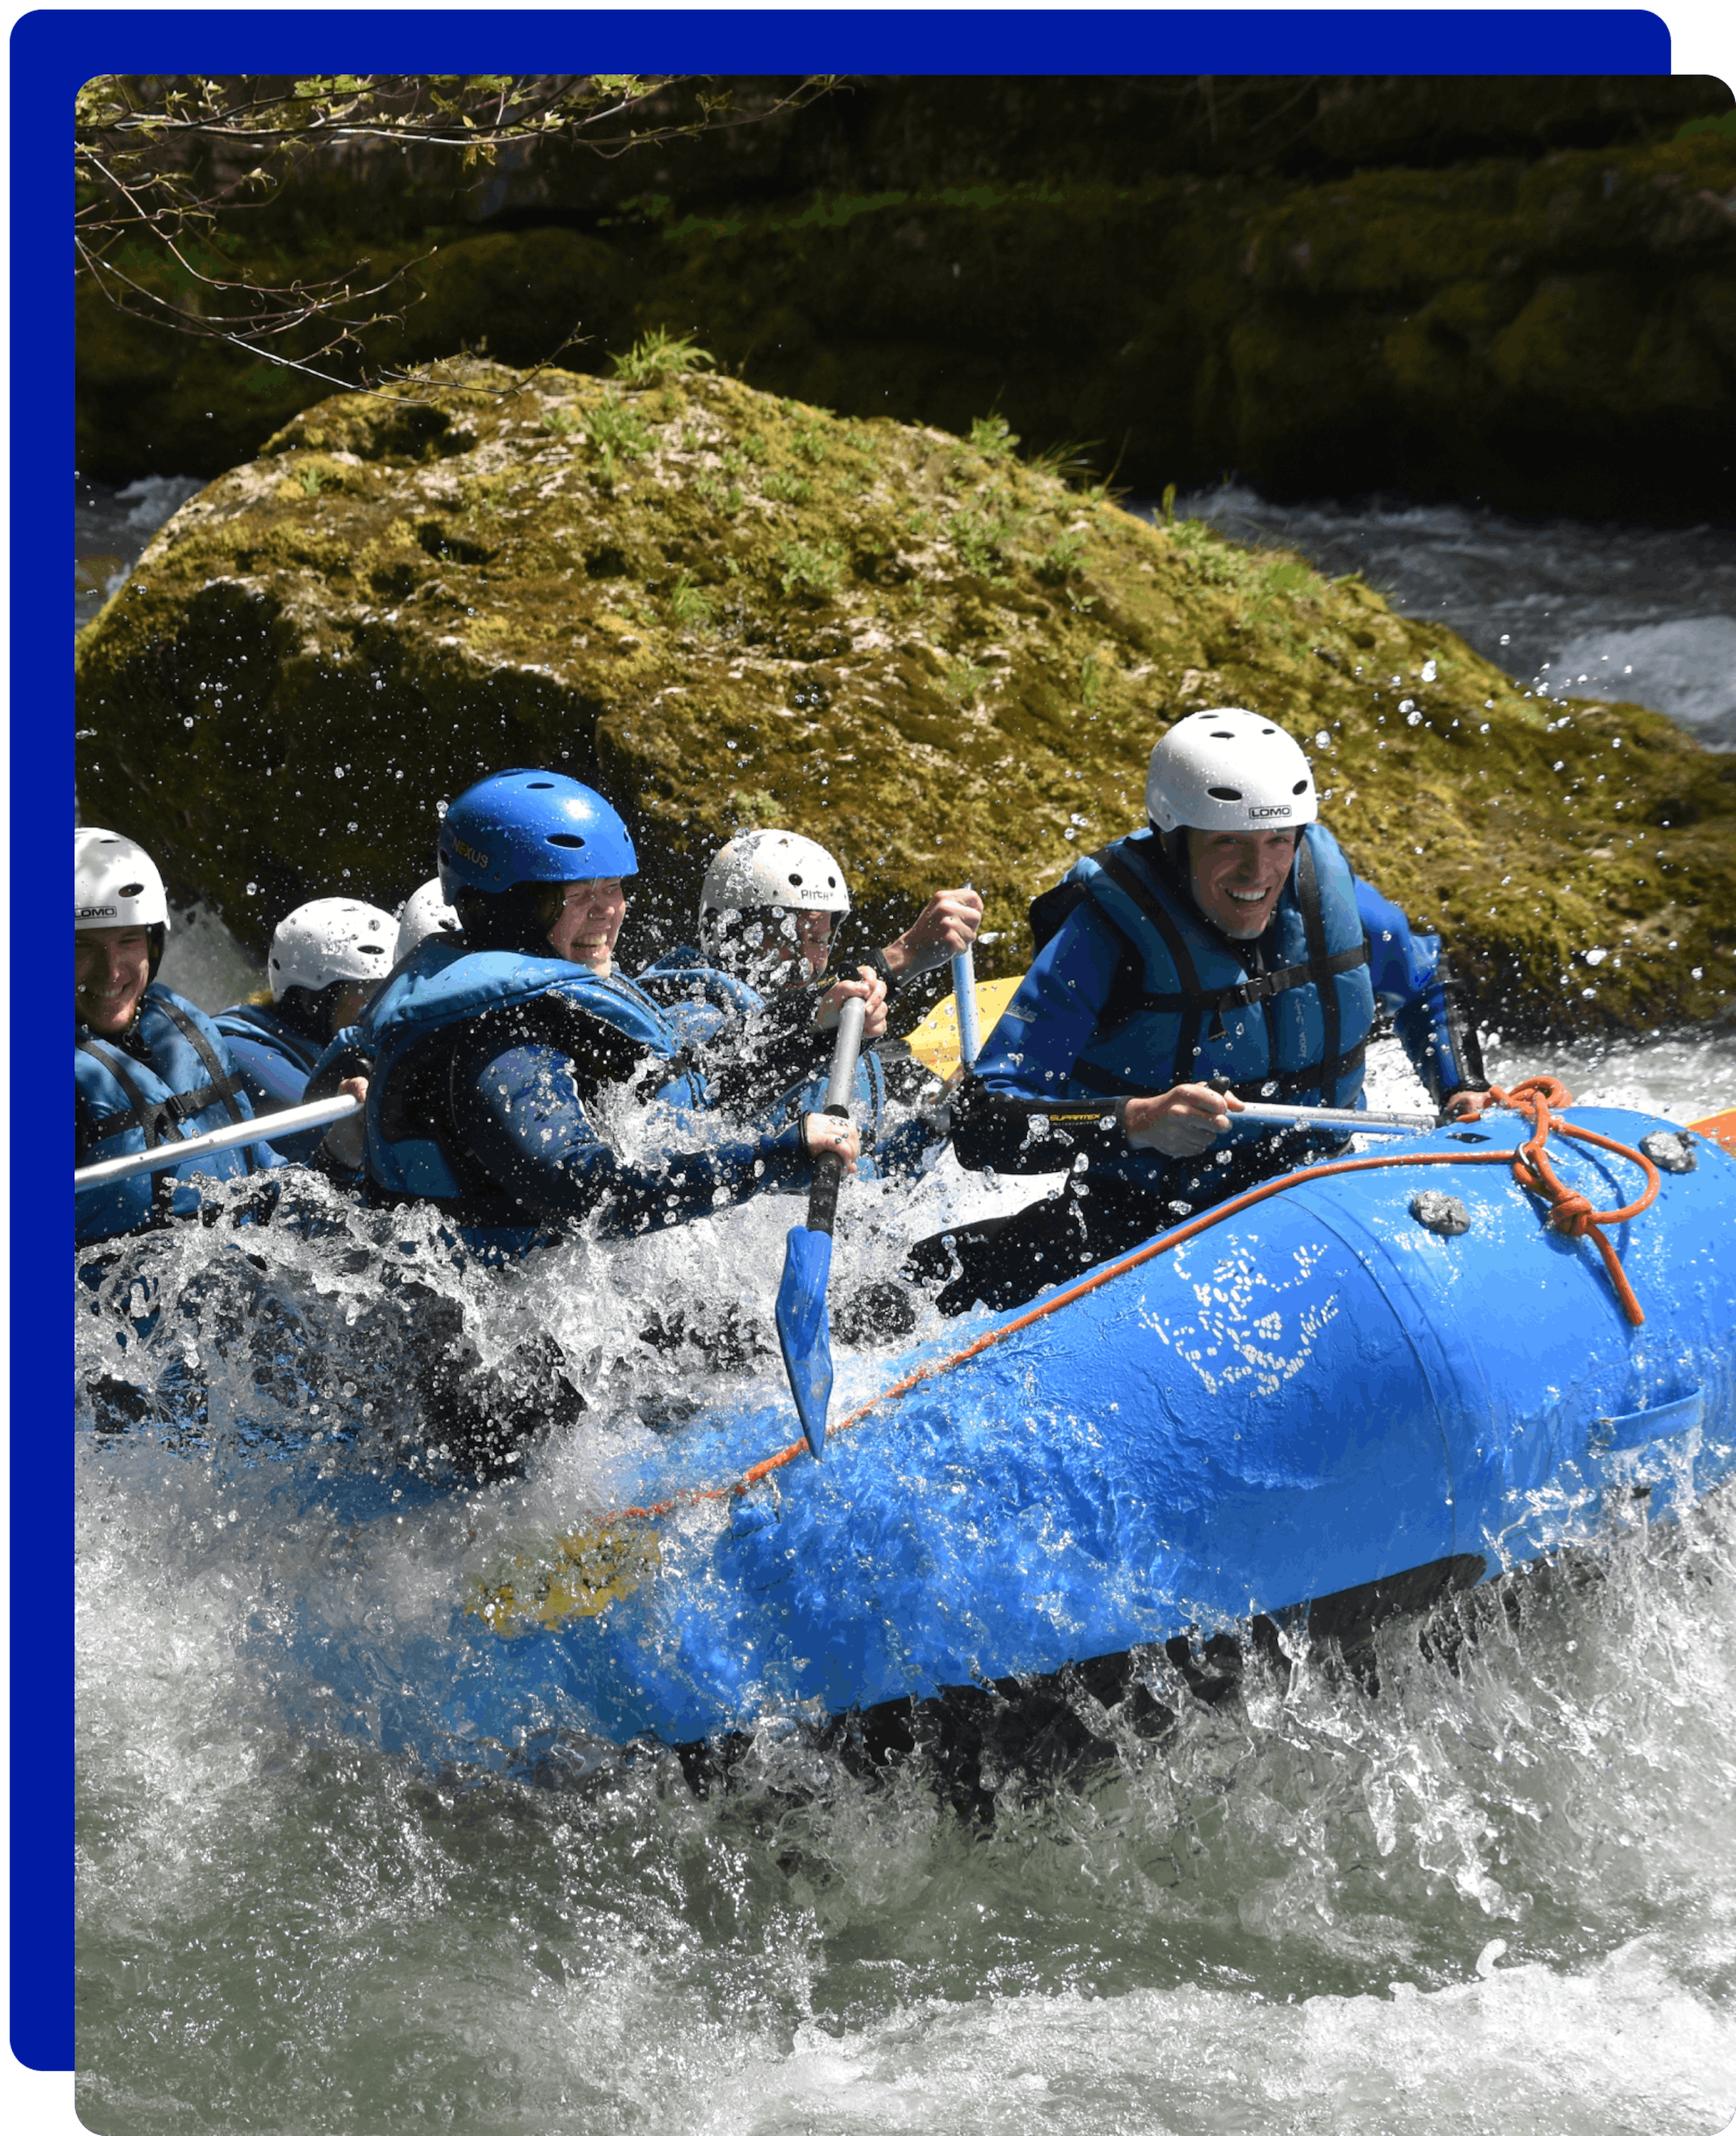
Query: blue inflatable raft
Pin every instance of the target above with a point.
(1318, 1393)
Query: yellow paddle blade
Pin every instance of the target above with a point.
(935, 1040)
(1719, 1127)
(578, 1576)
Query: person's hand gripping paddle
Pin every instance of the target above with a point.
(803, 1327)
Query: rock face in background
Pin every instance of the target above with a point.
(1518, 291)
(726, 608)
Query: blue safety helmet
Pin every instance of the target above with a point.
(531, 827)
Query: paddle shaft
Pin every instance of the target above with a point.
(964, 999)
(1328, 1116)
(1264, 1116)
(236, 1136)
(822, 1197)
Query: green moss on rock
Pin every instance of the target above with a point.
(727, 608)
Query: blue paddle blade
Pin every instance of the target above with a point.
(804, 1329)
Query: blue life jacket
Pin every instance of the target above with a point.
(274, 1061)
(1298, 1030)
(414, 1024)
(122, 1106)
(699, 1000)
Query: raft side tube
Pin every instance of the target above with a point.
(1316, 1395)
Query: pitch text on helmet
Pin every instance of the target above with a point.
(1261, 815)
(469, 853)
(98, 912)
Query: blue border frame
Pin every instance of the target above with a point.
(51, 54)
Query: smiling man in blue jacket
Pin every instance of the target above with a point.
(1227, 953)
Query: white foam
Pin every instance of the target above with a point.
(1619, 2043)
(155, 498)
(1686, 668)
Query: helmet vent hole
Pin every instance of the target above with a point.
(1224, 793)
(131, 890)
(1300, 787)
(541, 786)
(1269, 730)
(370, 949)
(796, 882)
(1222, 734)
(566, 838)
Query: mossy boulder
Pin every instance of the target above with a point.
(941, 660)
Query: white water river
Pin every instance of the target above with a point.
(1499, 1894)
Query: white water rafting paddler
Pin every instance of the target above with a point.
(148, 1067)
(326, 957)
(1223, 954)
(769, 910)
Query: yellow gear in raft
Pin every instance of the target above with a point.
(935, 1040)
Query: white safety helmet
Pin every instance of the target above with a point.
(328, 940)
(425, 912)
(780, 868)
(115, 882)
(1228, 770)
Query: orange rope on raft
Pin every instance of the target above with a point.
(1569, 1211)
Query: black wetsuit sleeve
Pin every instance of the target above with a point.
(520, 1117)
(1000, 1131)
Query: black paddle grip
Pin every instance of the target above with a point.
(823, 1197)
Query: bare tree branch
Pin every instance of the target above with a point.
(152, 158)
